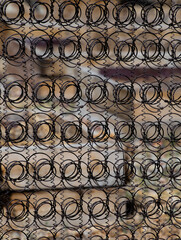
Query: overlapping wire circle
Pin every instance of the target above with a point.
(90, 124)
(158, 50)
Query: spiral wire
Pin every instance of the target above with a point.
(90, 102)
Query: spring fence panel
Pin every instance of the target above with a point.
(90, 119)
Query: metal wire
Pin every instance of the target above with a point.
(90, 134)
